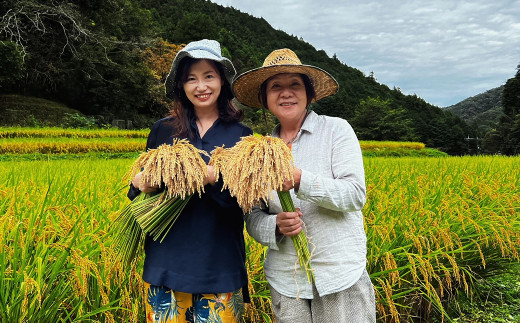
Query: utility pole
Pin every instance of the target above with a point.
(477, 143)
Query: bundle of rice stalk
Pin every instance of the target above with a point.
(254, 168)
(180, 169)
(128, 237)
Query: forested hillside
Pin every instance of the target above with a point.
(104, 59)
(505, 137)
(482, 111)
(495, 115)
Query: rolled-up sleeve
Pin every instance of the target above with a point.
(262, 227)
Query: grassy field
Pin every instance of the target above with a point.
(443, 233)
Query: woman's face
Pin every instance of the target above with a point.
(203, 84)
(286, 97)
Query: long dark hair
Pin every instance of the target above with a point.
(183, 110)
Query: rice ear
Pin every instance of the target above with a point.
(254, 168)
(179, 167)
(219, 158)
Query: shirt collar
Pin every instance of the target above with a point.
(193, 123)
(309, 124)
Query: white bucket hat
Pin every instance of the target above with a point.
(202, 49)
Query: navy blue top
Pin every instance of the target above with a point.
(204, 251)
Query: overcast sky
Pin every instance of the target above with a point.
(443, 50)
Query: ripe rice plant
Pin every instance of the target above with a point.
(70, 145)
(55, 265)
(56, 258)
(19, 132)
(18, 140)
(433, 226)
(374, 145)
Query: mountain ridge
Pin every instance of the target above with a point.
(481, 111)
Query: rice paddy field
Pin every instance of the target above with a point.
(437, 228)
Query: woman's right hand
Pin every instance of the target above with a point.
(145, 186)
(289, 223)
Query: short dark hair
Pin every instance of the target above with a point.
(309, 91)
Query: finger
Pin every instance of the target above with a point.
(290, 225)
(288, 221)
(293, 232)
(286, 215)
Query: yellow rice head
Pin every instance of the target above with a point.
(179, 166)
(218, 159)
(254, 168)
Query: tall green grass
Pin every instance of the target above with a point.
(56, 258)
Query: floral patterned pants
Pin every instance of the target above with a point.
(166, 306)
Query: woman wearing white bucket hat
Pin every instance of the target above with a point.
(197, 272)
(329, 190)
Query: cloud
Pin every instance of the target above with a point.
(443, 51)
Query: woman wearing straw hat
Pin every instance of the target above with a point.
(329, 190)
(198, 272)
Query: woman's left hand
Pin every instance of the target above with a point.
(211, 178)
(289, 223)
(288, 184)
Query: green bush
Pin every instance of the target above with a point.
(77, 120)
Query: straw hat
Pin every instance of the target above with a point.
(247, 85)
(201, 49)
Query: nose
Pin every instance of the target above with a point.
(285, 92)
(201, 86)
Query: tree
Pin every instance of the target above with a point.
(87, 54)
(195, 26)
(509, 126)
(46, 34)
(159, 58)
(376, 120)
(12, 66)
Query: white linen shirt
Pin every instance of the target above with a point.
(331, 195)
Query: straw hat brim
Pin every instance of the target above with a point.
(247, 85)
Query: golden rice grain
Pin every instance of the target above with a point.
(265, 163)
(179, 167)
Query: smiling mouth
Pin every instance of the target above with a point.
(287, 104)
(203, 96)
